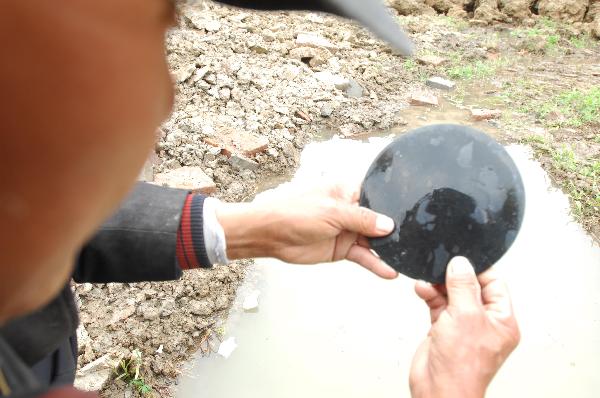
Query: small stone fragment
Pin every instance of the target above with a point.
(326, 110)
(424, 99)
(431, 59)
(212, 26)
(303, 115)
(202, 308)
(441, 83)
(191, 178)
(310, 55)
(313, 40)
(485, 114)
(94, 375)
(184, 73)
(339, 82)
(241, 162)
(239, 142)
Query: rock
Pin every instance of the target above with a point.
(331, 79)
(485, 114)
(310, 55)
(354, 90)
(431, 59)
(441, 83)
(593, 11)
(326, 110)
(314, 40)
(488, 12)
(148, 311)
(214, 151)
(94, 375)
(212, 26)
(411, 7)
(202, 308)
(191, 178)
(240, 162)
(121, 313)
(424, 99)
(303, 115)
(238, 142)
(596, 28)
(83, 338)
(564, 10)
(517, 9)
(440, 6)
(184, 73)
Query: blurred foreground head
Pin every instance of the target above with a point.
(84, 84)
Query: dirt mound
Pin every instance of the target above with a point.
(489, 11)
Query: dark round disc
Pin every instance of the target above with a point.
(452, 191)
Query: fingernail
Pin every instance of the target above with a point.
(384, 224)
(461, 266)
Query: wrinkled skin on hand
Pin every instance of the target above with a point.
(306, 227)
(473, 331)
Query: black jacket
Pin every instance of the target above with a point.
(136, 244)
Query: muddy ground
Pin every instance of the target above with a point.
(240, 72)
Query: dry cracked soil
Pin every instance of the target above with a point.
(254, 88)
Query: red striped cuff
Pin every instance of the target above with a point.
(191, 251)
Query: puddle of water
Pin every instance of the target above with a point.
(337, 331)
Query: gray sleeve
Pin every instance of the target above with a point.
(138, 242)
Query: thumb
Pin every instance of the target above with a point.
(364, 221)
(464, 291)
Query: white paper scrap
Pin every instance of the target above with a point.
(251, 301)
(227, 347)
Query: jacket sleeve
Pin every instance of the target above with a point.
(138, 243)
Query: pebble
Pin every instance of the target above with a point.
(441, 83)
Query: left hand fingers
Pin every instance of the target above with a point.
(368, 260)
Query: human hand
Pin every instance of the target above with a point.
(323, 225)
(473, 331)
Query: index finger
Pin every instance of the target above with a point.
(494, 293)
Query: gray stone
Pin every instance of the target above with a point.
(94, 375)
(326, 110)
(191, 178)
(441, 83)
(337, 81)
(184, 73)
(240, 162)
(354, 90)
(314, 40)
(202, 308)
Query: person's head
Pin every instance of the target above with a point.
(84, 85)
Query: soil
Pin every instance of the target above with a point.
(243, 71)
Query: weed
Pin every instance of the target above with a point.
(478, 70)
(576, 108)
(129, 372)
(564, 159)
(410, 65)
(456, 23)
(533, 139)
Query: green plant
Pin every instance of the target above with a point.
(533, 139)
(128, 371)
(410, 64)
(576, 107)
(479, 69)
(564, 159)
